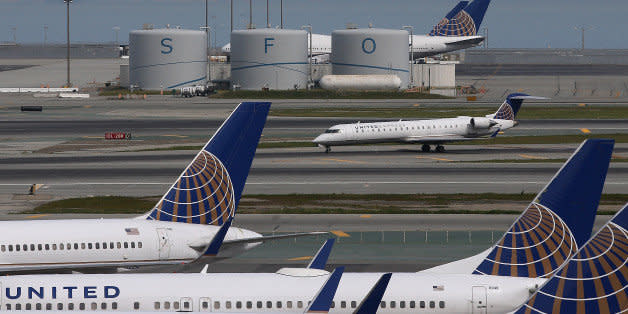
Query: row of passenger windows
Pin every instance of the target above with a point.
(299, 304)
(377, 129)
(70, 246)
(61, 306)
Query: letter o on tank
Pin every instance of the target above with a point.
(368, 45)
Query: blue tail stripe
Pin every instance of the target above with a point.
(322, 301)
(320, 260)
(461, 5)
(372, 301)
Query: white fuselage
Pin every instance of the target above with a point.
(425, 45)
(106, 243)
(436, 131)
(263, 292)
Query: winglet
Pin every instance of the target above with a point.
(592, 281)
(324, 297)
(320, 259)
(559, 220)
(216, 243)
(371, 302)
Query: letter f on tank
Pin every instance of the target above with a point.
(268, 43)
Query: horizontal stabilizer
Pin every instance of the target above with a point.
(594, 280)
(476, 40)
(218, 239)
(274, 237)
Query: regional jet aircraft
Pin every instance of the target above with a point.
(177, 230)
(543, 239)
(426, 132)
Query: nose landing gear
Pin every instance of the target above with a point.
(327, 149)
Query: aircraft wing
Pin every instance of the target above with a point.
(272, 237)
(475, 40)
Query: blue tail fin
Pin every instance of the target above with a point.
(461, 5)
(509, 109)
(558, 222)
(209, 189)
(320, 259)
(465, 22)
(324, 297)
(370, 304)
(595, 280)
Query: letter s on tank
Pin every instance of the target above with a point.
(166, 45)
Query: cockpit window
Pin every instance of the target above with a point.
(333, 131)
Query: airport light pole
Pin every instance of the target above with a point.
(267, 14)
(411, 29)
(209, 54)
(14, 30)
(116, 29)
(45, 34)
(67, 2)
(231, 17)
(582, 29)
(250, 14)
(309, 29)
(281, 12)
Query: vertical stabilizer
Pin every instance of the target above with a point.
(594, 280)
(209, 189)
(325, 296)
(558, 222)
(465, 23)
(461, 5)
(509, 109)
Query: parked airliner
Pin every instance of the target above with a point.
(544, 237)
(177, 230)
(426, 132)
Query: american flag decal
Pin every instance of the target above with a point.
(132, 231)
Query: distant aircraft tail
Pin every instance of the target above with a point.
(463, 20)
(209, 189)
(509, 109)
(594, 280)
(559, 220)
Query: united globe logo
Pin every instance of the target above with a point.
(202, 195)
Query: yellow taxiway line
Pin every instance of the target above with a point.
(585, 131)
(37, 216)
(532, 156)
(344, 160)
(340, 234)
(434, 158)
(302, 258)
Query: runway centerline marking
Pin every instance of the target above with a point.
(340, 233)
(302, 258)
(37, 216)
(434, 158)
(532, 156)
(344, 160)
(585, 131)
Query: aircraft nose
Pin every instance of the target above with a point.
(318, 139)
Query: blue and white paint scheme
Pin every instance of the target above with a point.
(554, 226)
(594, 280)
(288, 291)
(179, 229)
(427, 132)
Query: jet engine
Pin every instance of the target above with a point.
(481, 123)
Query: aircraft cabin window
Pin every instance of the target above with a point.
(204, 305)
(10, 248)
(393, 304)
(83, 246)
(139, 245)
(32, 247)
(136, 305)
(166, 305)
(216, 305)
(17, 247)
(333, 304)
(132, 245)
(289, 304)
(422, 304)
(260, 304)
(89, 246)
(402, 304)
(104, 245)
(126, 245)
(97, 245)
(38, 306)
(119, 245)
(343, 304)
(269, 304)
(82, 306)
(238, 304)
(70, 306)
(103, 306)
(76, 246)
(69, 246)
(383, 304)
(114, 305)
(111, 245)
(157, 305)
(3, 248)
(54, 247)
(354, 304)
(94, 306)
(432, 304)
(249, 304)
(441, 304)
(332, 131)
(278, 304)
(8, 307)
(186, 305)
(228, 304)
(175, 305)
(412, 304)
(300, 304)
(28, 306)
(59, 306)
(25, 247)
(61, 246)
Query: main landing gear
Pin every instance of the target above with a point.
(327, 149)
(426, 148)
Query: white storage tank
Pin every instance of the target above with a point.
(371, 51)
(269, 58)
(167, 58)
